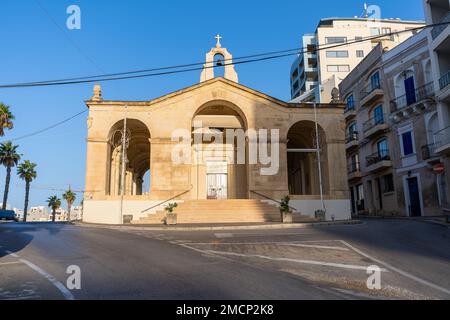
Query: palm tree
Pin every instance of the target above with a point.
(9, 158)
(6, 119)
(54, 203)
(70, 198)
(27, 172)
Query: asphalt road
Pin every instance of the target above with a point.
(307, 263)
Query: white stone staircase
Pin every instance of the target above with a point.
(222, 212)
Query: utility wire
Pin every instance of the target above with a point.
(47, 128)
(64, 32)
(262, 57)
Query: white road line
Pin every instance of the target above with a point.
(403, 273)
(286, 244)
(65, 292)
(10, 263)
(317, 263)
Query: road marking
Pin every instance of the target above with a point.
(223, 235)
(10, 263)
(64, 291)
(287, 244)
(311, 262)
(403, 273)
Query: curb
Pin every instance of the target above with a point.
(423, 220)
(223, 228)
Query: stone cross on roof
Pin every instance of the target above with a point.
(218, 38)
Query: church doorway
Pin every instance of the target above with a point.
(219, 152)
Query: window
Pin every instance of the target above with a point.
(336, 39)
(408, 143)
(378, 115)
(360, 53)
(295, 74)
(386, 31)
(387, 183)
(352, 129)
(358, 38)
(360, 197)
(375, 81)
(338, 68)
(296, 85)
(337, 54)
(383, 148)
(374, 31)
(350, 102)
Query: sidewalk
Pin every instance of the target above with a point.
(441, 221)
(216, 227)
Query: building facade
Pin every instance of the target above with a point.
(391, 119)
(253, 170)
(438, 12)
(326, 68)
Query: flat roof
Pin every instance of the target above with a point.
(329, 21)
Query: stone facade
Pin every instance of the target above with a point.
(211, 110)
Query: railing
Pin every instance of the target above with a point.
(442, 137)
(269, 198)
(428, 151)
(436, 31)
(444, 81)
(351, 137)
(168, 200)
(371, 87)
(407, 100)
(354, 167)
(382, 155)
(376, 121)
(349, 108)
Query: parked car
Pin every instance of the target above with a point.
(8, 215)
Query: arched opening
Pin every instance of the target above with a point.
(219, 65)
(432, 127)
(137, 159)
(302, 158)
(219, 152)
(405, 86)
(428, 72)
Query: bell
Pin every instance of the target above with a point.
(219, 63)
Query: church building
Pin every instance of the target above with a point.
(225, 153)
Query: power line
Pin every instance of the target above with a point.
(47, 128)
(259, 57)
(64, 32)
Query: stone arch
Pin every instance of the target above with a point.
(302, 159)
(221, 170)
(137, 161)
(432, 126)
(399, 82)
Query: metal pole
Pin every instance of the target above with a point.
(319, 160)
(124, 157)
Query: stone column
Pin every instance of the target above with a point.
(96, 169)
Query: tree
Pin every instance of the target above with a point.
(9, 158)
(54, 203)
(70, 198)
(6, 119)
(27, 172)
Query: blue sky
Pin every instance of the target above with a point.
(134, 34)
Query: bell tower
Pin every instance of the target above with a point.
(219, 57)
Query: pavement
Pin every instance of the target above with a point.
(309, 263)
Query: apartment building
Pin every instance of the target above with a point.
(315, 73)
(437, 12)
(368, 145)
(391, 118)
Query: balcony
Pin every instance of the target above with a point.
(354, 171)
(375, 126)
(442, 139)
(411, 102)
(444, 81)
(351, 141)
(436, 31)
(379, 161)
(372, 92)
(349, 113)
(429, 153)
